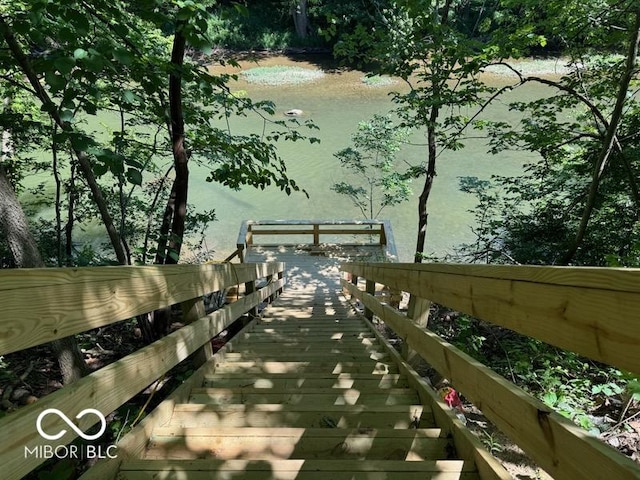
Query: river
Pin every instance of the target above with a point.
(336, 103)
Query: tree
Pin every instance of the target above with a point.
(300, 17)
(14, 228)
(371, 161)
(77, 59)
(418, 42)
(580, 203)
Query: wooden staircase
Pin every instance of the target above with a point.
(309, 392)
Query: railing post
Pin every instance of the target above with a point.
(193, 310)
(371, 290)
(418, 313)
(316, 234)
(249, 288)
(280, 277)
(273, 295)
(354, 281)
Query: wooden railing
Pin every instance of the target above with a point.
(591, 311)
(41, 305)
(316, 231)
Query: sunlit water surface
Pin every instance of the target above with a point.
(336, 103)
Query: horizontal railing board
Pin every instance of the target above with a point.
(41, 305)
(323, 231)
(113, 385)
(315, 222)
(605, 278)
(557, 445)
(133, 444)
(590, 311)
(468, 446)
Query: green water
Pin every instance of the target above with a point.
(336, 104)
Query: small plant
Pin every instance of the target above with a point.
(377, 80)
(281, 75)
(491, 443)
(371, 162)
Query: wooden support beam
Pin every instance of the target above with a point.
(418, 312)
(193, 310)
(558, 446)
(110, 387)
(370, 288)
(66, 301)
(590, 311)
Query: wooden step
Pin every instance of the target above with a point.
(302, 443)
(327, 366)
(347, 342)
(296, 470)
(298, 326)
(302, 347)
(316, 396)
(286, 381)
(293, 355)
(303, 415)
(305, 336)
(315, 321)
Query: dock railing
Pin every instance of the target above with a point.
(41, 305)
(315, 232)
(591, 311)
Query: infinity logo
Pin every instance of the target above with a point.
(103, 424)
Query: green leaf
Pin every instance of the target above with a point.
(66, 115)
(56, 82)
(80, 53)
(99, 169)
(81, 142)
(64, 65)
(129, 97)
(95, 62)
(134, 176)
(123, 56)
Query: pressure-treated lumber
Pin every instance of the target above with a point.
(362, 382)
(590, 311)
(296, 470)
(111, 386)
(302, 415)
(259, 443)
(133, 444)
(558, 446)
(468, 446)
(317, 396)
(65, 301)
(325, 366)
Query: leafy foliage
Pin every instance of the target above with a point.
(577, 179)
(371, 161)
(110, 62)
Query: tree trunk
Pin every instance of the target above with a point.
(83, 160)
(432, 154)
(26, 255)
(174, 218)
(301, 18)
(423, 214)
